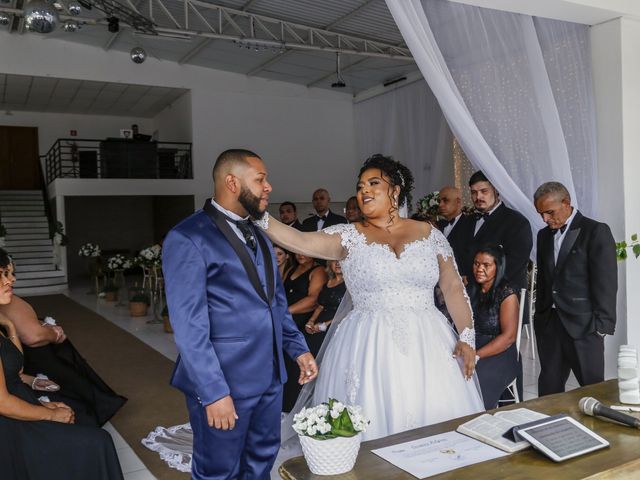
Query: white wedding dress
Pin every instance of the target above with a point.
(392, 353)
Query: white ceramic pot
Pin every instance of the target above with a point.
(330, 457)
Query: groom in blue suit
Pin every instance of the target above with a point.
(231, 321)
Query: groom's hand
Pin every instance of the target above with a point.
(221, 414)
(308, 368)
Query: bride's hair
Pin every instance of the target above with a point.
(398, 175)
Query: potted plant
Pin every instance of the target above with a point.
(428, 207)
(110, 292)
(139, 303)
(634, 245)
(330, 436)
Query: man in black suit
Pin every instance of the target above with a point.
(576, 291)
(496, 223)
(289, 215)
(455, 226)
(323, 217)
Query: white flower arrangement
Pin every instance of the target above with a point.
(150, 256)
(331, 419)
(89, 250)
(118, 262)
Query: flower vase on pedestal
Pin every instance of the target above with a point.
(157, 303)
(121, 284)
(94, 267)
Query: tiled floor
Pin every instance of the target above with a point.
(154, 336)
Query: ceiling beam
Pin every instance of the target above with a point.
(288, 53)
(198, 48)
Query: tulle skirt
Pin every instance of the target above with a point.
(399, 366)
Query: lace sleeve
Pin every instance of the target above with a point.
(503, 292)
(311, 244)
(348, 234)
(455, 295)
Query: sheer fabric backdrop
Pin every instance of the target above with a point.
(407, 123)
(496, 76)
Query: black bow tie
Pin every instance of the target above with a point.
(561, 229)
(321, 217)
(451, 222)
(480, 215)
(247, 232)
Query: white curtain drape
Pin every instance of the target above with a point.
(488, 70)
(407, 124)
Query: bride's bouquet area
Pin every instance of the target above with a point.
(330, 436)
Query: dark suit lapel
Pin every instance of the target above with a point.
(493, 218)
(239, 247)
(549, 252)
(569, 240)
(268, 262)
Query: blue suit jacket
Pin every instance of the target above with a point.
(226, 332)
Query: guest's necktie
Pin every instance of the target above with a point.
(247, 232)
(561, 229)
(321, 217)
(452, 221)
(480, 215)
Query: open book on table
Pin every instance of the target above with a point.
(490, 429)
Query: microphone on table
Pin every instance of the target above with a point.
(592, 407)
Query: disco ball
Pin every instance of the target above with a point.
(71, 26)
(138, 55)
(74, 8)
(40, 17)
(4, 19)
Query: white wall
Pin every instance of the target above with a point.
(616, 76)
(305, 135)
(173, 124)
(52, 126)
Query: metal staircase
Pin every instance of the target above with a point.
(23, 214)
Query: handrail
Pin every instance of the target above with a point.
(117, 158)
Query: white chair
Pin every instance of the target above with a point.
(513, 388)
(528, 329)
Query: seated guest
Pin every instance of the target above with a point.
(302, 285)
(48, 351)
(284, 260)
(39, 441)
(495, 311)
(352, 211)
(328, 302)
(323, 217)
(289, 215)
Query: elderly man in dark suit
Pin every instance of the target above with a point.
(324, 217)
(576, 291)
(454, 225)
(498, 224)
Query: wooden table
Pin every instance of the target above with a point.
(620, 461)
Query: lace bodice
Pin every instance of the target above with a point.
(378, 279)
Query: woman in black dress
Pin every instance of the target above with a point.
(39, 440)
(328, 303)
(302, 284)
(495, 310)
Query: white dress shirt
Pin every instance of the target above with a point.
(449, 226)
(558, 237)
(233, 216)
(480, 221)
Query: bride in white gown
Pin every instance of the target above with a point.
(393, 353)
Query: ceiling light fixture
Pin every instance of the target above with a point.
(339, 83)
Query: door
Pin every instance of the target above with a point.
(19, 159)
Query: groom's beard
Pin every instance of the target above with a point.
(251, 203)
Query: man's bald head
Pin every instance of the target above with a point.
(231, 161)
(320, 201)
(450, 204)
